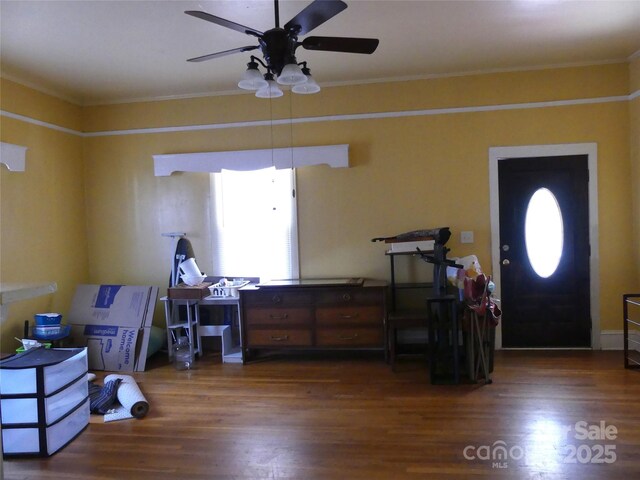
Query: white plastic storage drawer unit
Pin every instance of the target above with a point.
(44, 400)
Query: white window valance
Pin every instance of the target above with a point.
(335, 156)
(13, 156)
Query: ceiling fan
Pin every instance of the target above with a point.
(278, 45)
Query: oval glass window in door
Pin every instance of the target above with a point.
(544, 232)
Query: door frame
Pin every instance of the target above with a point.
(504, 153)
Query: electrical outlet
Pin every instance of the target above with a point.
(466, 237)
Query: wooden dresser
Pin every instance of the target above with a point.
(313, 314)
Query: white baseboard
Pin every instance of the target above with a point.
(609, 339)
(614, 339)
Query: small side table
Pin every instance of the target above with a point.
(195, 330)
(400, 320)
(190, 325)
(443, 339)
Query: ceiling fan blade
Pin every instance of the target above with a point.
(224, 23)
(222, 54)
(341, 44)
(313, 15)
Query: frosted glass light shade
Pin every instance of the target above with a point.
(291, 75)
(308, 87)
(270, 91)
(252, 80)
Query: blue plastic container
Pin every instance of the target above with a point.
(46, 319)
(51, 332)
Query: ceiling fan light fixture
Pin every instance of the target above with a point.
(272, 90)
(252, 78)
(308, 87)
(278, 46)
(291, 75)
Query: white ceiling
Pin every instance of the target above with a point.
(93, 52)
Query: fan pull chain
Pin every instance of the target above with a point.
(273, 163)
(291, 126)
(293, 191)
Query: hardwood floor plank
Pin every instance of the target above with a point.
(350, 417)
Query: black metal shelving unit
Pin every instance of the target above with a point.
(631, 308)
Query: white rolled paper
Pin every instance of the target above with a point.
(132, 401)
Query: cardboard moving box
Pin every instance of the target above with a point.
(114, 323)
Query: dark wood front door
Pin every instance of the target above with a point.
(544, 291)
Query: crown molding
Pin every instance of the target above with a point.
(470, 73)
(398, 79)
(38, 88)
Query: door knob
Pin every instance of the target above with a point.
(506, 262)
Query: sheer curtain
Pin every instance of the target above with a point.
(255, 224)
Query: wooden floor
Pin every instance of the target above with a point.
(350, 417)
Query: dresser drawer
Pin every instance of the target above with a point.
(350, 296)
(349, 316)
(277, 297)
(345, 337)
(278, 316)
(279, 337)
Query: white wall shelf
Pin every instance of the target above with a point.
(15, 292)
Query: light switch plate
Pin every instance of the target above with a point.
(466, 237)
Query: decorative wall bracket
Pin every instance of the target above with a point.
(13, 156)
(335, 156)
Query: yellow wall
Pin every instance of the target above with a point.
(464, 91)
(406, 173)
(634, 140)
(42, 217)
(25, 101)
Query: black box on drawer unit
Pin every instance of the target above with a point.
(186, 292)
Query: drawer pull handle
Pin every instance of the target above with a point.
(346, 297)
(276, 299)
(283, 338)
(284, 316)
(347, 316)
(345, 337)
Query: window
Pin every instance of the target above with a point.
(255, 224)
(544, 232)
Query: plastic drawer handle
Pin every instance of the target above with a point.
(284, 316)
(347, 316)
